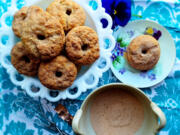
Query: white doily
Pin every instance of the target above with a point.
(88, 76)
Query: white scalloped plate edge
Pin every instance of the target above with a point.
(80, 83)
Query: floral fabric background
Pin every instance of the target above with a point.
(23, 115)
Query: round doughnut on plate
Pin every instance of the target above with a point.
(42, 34)
(143, 52)
(69, 13)
(82, 45)
(58, 73)
(23, 62)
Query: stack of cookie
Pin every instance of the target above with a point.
(53, 43)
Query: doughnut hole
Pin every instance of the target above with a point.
(41, 36)
(26, 59)
(58, 74)
(85, 47)
(144, 51)
(68, 12)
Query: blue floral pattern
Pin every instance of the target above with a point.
(17, 128)
(24, 118)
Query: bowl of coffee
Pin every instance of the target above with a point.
(118, 109)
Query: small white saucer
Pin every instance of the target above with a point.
(124, 72)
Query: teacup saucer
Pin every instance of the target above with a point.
(142, 79)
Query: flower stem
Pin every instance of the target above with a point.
(135, 15)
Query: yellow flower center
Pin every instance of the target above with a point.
(115, 12)
(150, 31)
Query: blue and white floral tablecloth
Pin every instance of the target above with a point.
(26, 115)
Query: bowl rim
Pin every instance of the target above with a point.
(104, 87)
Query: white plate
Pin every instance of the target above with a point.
(127, 74)
(88, 76)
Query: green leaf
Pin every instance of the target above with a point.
(118, 59)
(117, 63)
(119, 39)
(123, 44)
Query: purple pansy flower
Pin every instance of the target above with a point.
(119, 10)
(157, 35)
(153, 32)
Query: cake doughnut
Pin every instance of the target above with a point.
(19, 18)
(143, 52)
(42, 34)
(69, 13)
(58, 74)
(82, 45)
(23, 62)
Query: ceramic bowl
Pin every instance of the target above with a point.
(152, 113)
